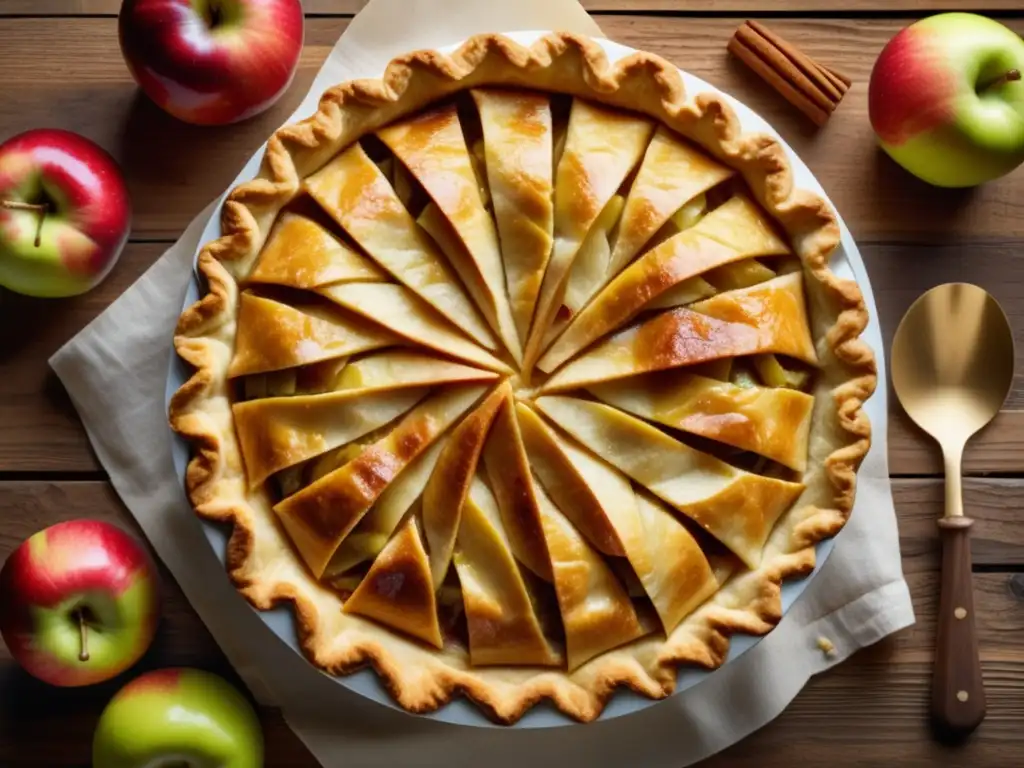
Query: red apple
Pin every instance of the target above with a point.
(64, 213)
(212, 62)
(79, 602)
(946, 99)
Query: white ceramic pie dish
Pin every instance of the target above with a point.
(846, 263)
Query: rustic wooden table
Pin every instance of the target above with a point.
(60, 65)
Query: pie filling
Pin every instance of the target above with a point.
(526, 377)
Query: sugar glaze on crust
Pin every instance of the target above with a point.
(260, 560)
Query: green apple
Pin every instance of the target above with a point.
(946, 99)
(185, 718)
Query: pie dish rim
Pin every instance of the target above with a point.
(868, 370)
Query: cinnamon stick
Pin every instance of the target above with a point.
(807, 79)
(839, 86)
(838, 80)
(749, 57)
(811, 87)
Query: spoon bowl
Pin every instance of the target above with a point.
(952, 367)
(952, 361)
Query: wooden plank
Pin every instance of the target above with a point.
(348, 7)
(39, 427)
(874, 714)
(86, 86)
(999, 447)
(997, 537)
(881, 693)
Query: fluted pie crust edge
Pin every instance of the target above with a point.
(259, 557)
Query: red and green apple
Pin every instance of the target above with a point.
(64, 213)
(180, 717)
(946, 99)
(79, 602)
(212, 62)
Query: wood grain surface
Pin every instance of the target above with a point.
(869, 711)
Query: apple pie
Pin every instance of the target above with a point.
(523, 375)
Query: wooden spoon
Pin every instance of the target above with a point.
(952, 366)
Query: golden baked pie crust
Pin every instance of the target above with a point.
(260, 559)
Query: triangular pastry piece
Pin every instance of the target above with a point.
(503, 625)
(597, 613)
(322, 514)
(508, 470)
(770, 421)
(280, 432)
(594, 497)
(518, 145)
(778, 305)
(300, 253)
(601, 147)
(394, 368)
(769, 317)
(672, 173)
(397, 591)
(449, 484)
(354, 191)
(432, 146)
(373, 531)
(736, 230)
(271, 335)
(676, 574)
(736, 507)
(397, 309)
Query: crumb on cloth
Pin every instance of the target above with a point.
(826, 647)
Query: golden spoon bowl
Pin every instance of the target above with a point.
(952, 361)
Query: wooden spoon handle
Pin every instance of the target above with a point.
(958, 693)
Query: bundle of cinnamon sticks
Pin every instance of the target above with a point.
(814, 89)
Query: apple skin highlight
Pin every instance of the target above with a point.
(938, 106)
(62, 570)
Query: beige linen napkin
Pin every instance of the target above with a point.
(115, 371)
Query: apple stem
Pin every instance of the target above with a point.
(41, 208)
(1007, 77)
(83, 632)
(214, 16)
